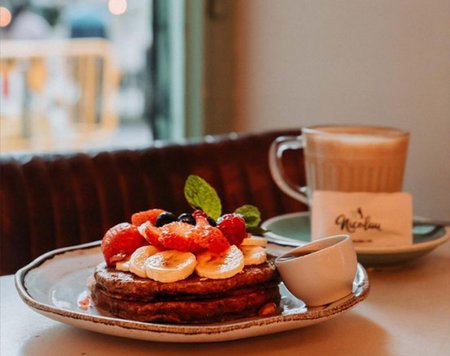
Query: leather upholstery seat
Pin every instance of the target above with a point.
(56, 200)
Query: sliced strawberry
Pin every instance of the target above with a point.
(219, 243)
(120, 242)
(152, 234)
(207, 236)
(183, 236)
(147, 215)
(201, 219)
(197, 214)
(233, 227)
(210, 238)
(176, 236)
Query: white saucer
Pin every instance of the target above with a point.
(294, 230)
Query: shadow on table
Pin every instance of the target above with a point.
(347, 334)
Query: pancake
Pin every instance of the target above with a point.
(193, 300)
(129, 286)
(189, 311)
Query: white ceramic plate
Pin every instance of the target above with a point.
(294, 230)
(53, 284)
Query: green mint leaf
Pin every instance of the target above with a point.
(250, 213)
(200, 195)
(256, 230)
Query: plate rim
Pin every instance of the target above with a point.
(57, 313)
(417, 247)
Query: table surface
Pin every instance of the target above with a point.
(407, 312)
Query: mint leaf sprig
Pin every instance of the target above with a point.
(200, 195)
(252, 217)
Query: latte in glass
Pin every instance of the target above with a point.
(346, 158)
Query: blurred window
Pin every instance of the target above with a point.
(76, 74)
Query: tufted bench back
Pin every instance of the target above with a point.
(56, 200)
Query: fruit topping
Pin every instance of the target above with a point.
(170, 266)
(254, 255)
(207, 236)
(220, 266)
(254, 241)
(187, 218)
(138, 259)
(179, 236)
(197, 214)
(165, 218)
(144, 216)
(210, 238)
(161, 246)
(152, 234)
(233, 227)
(120, 242)
(123, 266)
(185, 237)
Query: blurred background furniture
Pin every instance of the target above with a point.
(57, 94)
(56, 200)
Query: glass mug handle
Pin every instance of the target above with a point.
(281, 144)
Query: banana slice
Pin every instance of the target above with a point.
(170, 266)
(138, 258)
(123, 266)
(225, 265)
(254, 241)
(254, 255)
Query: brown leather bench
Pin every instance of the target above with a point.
(56, 200)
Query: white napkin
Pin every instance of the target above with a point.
(371, 219)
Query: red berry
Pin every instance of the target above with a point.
(120, 242)
(147, 215)
(203, 219)
(183, 236)
(233, 227)
(199, 214)
(152, 234)
(177, 236)
(210, 238)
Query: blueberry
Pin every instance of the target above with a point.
(165, 218)
(187, 218)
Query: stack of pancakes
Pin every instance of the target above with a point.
(193, 300)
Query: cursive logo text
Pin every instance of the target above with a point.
(361, 222)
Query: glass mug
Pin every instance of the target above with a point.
(346, 158)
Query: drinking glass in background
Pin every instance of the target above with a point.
(345, 158)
